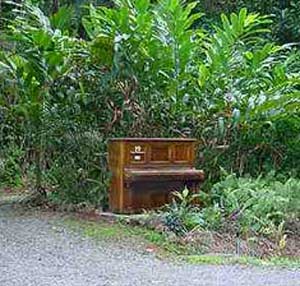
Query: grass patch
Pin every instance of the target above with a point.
(242, 260)
(158, 239)
(116, 232)
(97, 230)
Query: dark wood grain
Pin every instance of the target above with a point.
(145, 171)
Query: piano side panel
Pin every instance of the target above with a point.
(116, 169)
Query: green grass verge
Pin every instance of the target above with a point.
(97, 230)
(242, 260)
(115, 232)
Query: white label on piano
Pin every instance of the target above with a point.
(137, 157)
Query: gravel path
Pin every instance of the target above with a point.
(36, 250)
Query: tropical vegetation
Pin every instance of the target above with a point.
(72, 76)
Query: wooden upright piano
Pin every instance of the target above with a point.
(145, 171)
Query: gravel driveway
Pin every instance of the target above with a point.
(36, 249)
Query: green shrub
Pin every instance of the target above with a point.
(181, 216)
(77, 173)
(246, 206)
(11, 167)
(256, 205)
(285, 14)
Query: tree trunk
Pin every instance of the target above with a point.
(55, 6)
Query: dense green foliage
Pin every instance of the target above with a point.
(285, 13)
(244, 205)
(258, 205)
(142, 69)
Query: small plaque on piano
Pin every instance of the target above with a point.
(137, 157)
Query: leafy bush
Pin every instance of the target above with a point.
(241, 206)
(10, 167)
(181, 216)
(285, 14)
(46, 110)
(258, 205)
(81, 162)
(250, 89)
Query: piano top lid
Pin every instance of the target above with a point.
(128, 139)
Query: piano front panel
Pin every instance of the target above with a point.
(183, 153)
(160, 153)
(151, 154)
(147, 195)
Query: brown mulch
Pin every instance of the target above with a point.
(228, 243)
